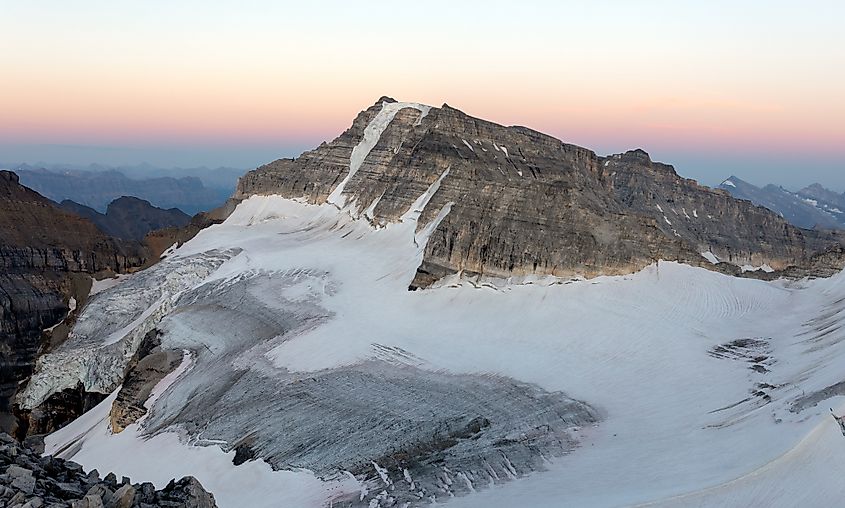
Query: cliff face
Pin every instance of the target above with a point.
(46, 255)
(736, 231)
(520, 202)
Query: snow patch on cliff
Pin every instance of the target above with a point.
(372, 134)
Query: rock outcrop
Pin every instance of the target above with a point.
(130, 218)
(160, 240)
(521, 203)
(32, 481)
(149, 366)
(47, 256)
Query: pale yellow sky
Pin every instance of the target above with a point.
(674, 77)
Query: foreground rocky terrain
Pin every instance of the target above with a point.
(30, 480)
(809, 208)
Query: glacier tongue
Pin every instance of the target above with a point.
(667, 386)
(112, 326)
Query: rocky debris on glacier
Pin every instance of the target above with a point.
(380, 421)
(29, 480)
(149, 366)
(526, 203)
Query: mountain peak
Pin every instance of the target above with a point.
(9, 176)
(732, 181)
(635, 156)
(385, 98)
(480, 180)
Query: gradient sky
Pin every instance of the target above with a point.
(715, 88)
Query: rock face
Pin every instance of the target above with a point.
(46, 256)
(160, 240)
(813, 207)
(34, 481)
(130, 218)
(521, 203)
(149, 366)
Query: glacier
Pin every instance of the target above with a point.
(673, 386)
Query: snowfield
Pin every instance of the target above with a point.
(676, 386)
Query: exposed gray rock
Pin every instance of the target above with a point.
(21, 478)
(88, 502)
(526, 203)
(150, 367)
(187, 492)
(122, 497)
(34, 481)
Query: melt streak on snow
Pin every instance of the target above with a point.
(372, 134)
(705, 390)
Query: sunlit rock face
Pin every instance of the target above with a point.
(527, 203)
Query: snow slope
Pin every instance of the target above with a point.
(683, 421)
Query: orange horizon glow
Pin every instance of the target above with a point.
(765, 77)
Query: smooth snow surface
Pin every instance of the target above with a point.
(709, 256)
(98, 286)
(750, 268)
(709, 390)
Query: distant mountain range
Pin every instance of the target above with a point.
(813, 207)
(129, 218)
(191, 190)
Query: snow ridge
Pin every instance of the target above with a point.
(372, 134)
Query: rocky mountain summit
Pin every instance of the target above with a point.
(32, 481)
(129, 217)
(47, 257)
(510, 201)
(813, 207)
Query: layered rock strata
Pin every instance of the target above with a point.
(47, 257)
(525, 203)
